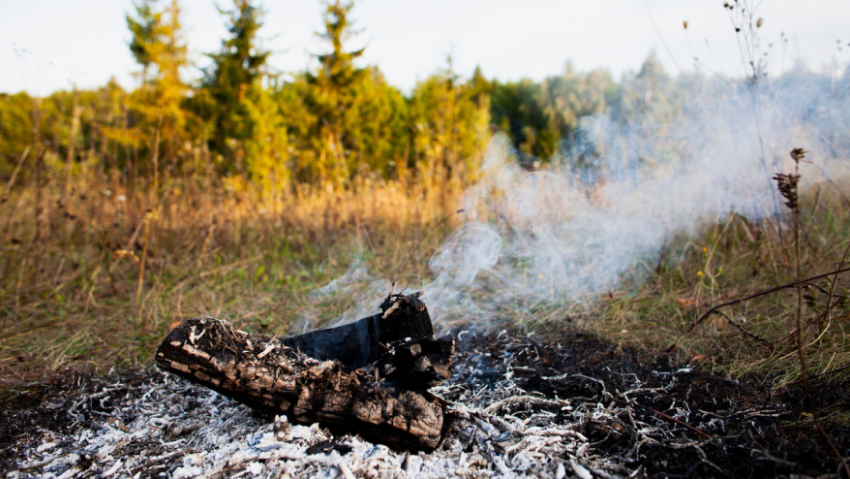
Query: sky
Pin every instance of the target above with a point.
(48, 45)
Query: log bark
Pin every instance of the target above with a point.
(384, 401)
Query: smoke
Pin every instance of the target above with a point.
(358, 289)
(624, 185)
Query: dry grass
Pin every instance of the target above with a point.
(71, 260)
(733, 260)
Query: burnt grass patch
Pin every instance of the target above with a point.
(642, 413)
(750, 428)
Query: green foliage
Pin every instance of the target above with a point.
(16, 129)
(292, 101)
(450, 123)
(98, 113)
(145, 30)
(157, 42)
(326, 127)
(573, 95)
(232, 86)
(331, 93)
(345, 121)
(267, 148)
(376, 125)
(538, 116)
(519, 110)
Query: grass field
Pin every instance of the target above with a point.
(94, 274)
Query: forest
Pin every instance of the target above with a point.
(243, 124)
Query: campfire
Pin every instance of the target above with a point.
(382, 397)
(368, 377)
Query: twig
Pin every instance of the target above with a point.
(788, 189)
(144, 257)
(826, 314)
(747, 298)
(665, 416)
(745, 332)
(829, 373)
(810, 321)
(17, 169)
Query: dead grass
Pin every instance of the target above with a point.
(71, 260)
(735, 259)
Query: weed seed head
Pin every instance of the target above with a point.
(798, 154)
(787, 184)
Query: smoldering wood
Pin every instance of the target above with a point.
(385, 401)
(363, 342)
(416, 363)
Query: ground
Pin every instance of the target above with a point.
(548, 407)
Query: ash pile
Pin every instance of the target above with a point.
(521, 407)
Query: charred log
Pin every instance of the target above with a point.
(416, 363)
(365, 341)
(384, 401)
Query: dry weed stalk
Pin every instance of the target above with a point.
(787, 185)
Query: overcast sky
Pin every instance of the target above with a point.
(47, 45)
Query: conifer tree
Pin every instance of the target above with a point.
(518, 110)
(158, 42)
(233, 84)
(145, 30)
(450, 119)
(649, 93)
(376, 126)
(332, 93)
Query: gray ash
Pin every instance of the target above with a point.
(574, 407)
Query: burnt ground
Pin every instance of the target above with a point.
(751, 429)
(620, 405)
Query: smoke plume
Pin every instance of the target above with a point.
(622, 186)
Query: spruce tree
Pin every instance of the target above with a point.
(158, 42)
(145, 28)
(233, 82)
(332, 94)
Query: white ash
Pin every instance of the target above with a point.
(158, 425)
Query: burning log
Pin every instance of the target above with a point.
(367, 377)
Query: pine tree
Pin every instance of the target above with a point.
(233, 84)
(332, 94)
(450, 121)
(158, 42)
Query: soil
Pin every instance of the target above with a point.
(645, 416)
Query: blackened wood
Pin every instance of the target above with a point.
(416, 363)
(365, 341)
(268, 375)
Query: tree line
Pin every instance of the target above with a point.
(322, 127)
